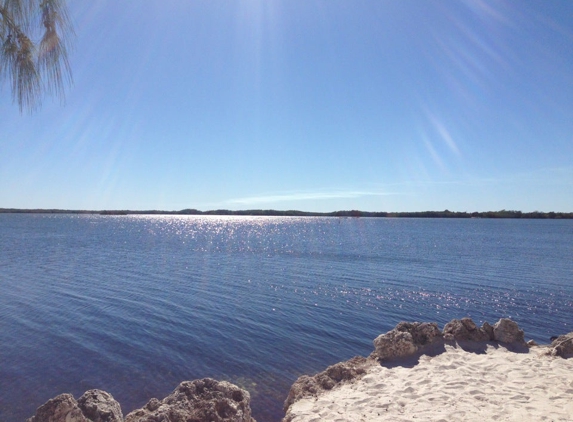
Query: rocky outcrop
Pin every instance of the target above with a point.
(466, 330)
(198, 401)
(411, 338)
(203, 400)
(306, 386)
(100, 406)
(62, 408)
(507, 331)
(207, 400)
(406, 339)
(504, 331)
(93, 406)
(562, 346)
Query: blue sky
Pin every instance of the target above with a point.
(389, 105)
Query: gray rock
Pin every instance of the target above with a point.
(62, 408)
(204, 400)
(507, 331)
(562, 346)
(93, 406)
(394, 344)
(406, 339)
(306, 386)
(488, 329)
(100, 406)
(466, 330)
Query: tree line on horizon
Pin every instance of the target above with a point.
(296, 213)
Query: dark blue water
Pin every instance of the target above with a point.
(135, 304)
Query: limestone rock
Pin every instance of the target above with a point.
(93, 406)
(507, 331)
(62, 408)
(466, 330)
(488, 329)
(100, 406)
(198, 401)
(562, 346)
(406, 339)
(394, 344)
(339, 373)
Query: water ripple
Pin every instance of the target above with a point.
(135, 304)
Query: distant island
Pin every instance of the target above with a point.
(295, 213)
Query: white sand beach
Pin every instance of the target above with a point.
(498, 385)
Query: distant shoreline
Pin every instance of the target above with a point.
(294, 213)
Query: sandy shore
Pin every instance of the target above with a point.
(498, 385)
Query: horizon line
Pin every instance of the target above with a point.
(503, 213)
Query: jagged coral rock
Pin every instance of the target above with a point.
(507, 331)
(562, 346)
(198, 401)
(100, 406)
(93, 406)
(488, 329)
(339, 373)
(466, 330)
(62, 408)
(406, 339)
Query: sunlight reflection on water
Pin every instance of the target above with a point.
(136, 304)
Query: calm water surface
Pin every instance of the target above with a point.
(135, 304)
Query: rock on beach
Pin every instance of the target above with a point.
(198, 401)
(330, 393)
(562, 346)
(204, 400)
(406, 339)
(92, 406)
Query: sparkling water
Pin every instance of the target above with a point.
(136, 304)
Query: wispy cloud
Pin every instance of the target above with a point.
(549, 177)
(304, 196)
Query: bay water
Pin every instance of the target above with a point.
(136, 304)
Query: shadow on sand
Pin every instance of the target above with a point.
(439, 347)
